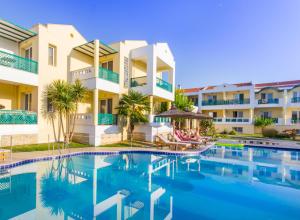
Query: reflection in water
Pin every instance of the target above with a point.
(261, 182)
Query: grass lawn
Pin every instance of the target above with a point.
(41, 147)
(44, 147)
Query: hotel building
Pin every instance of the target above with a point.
(31, 59)
(235, 106)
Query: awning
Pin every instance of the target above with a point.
(88, 49)
(14, 32)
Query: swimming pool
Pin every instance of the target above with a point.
(220, 183)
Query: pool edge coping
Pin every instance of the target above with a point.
(104, 152)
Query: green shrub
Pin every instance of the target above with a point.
(269, 132)
(224, 132)
(282, 135)
(263, 122)
(232, 132)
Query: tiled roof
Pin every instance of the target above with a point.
(278, 84)
(190, 90)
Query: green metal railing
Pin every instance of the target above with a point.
(162, 119)
(268, 101)
(108, 75)
(107, 119)
(295, 120)
(217, 119)
(138, 81)
(17, 62)
(295, 99)
(17, 117)
(237, 119)
(226, 102)
(164, 85)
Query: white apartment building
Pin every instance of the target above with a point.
(235, 106)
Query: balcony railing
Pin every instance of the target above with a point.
(164, 85)
(138, 81)
(108, 75)
(241, 120)
(268, 101)
(107, 119)
(162, 119)
(17, 62)
(295, 120)
(226, 102)
(17, 117)
(232, 120)
(295, 100)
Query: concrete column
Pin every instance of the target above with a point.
(95, 91)
(199, 100)
(95, 106)
(151, 104)
(151, 69)
(285, 102)
(96, 58)
(251, 114)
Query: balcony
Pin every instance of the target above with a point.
(17, 62)
(295, 100)
(17, 117)
(226, 102)
(106, 80)
(108, 75)
(107, 119)
(164, 85)
(268, 101)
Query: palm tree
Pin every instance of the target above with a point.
(182, 102)
(263, 122)
(65, 98)
(134, 106)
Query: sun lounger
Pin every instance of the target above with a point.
(162, 141)
(195, 144)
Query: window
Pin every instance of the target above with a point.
(102, 106)
(28, 53)
(27, 101)
(266, 114)
(296, 94)
(106, 106)
(109, 106)
(239, 97)
(52, 55)
(212, 98)
(295, 115)
(266, 96)
(215, 114)
(237, 114)
(108, 65)
(238, 129)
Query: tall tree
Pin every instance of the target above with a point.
(135, 106)
(65, 97)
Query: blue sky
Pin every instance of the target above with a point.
(213, 41)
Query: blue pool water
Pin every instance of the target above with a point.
(221, 183)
